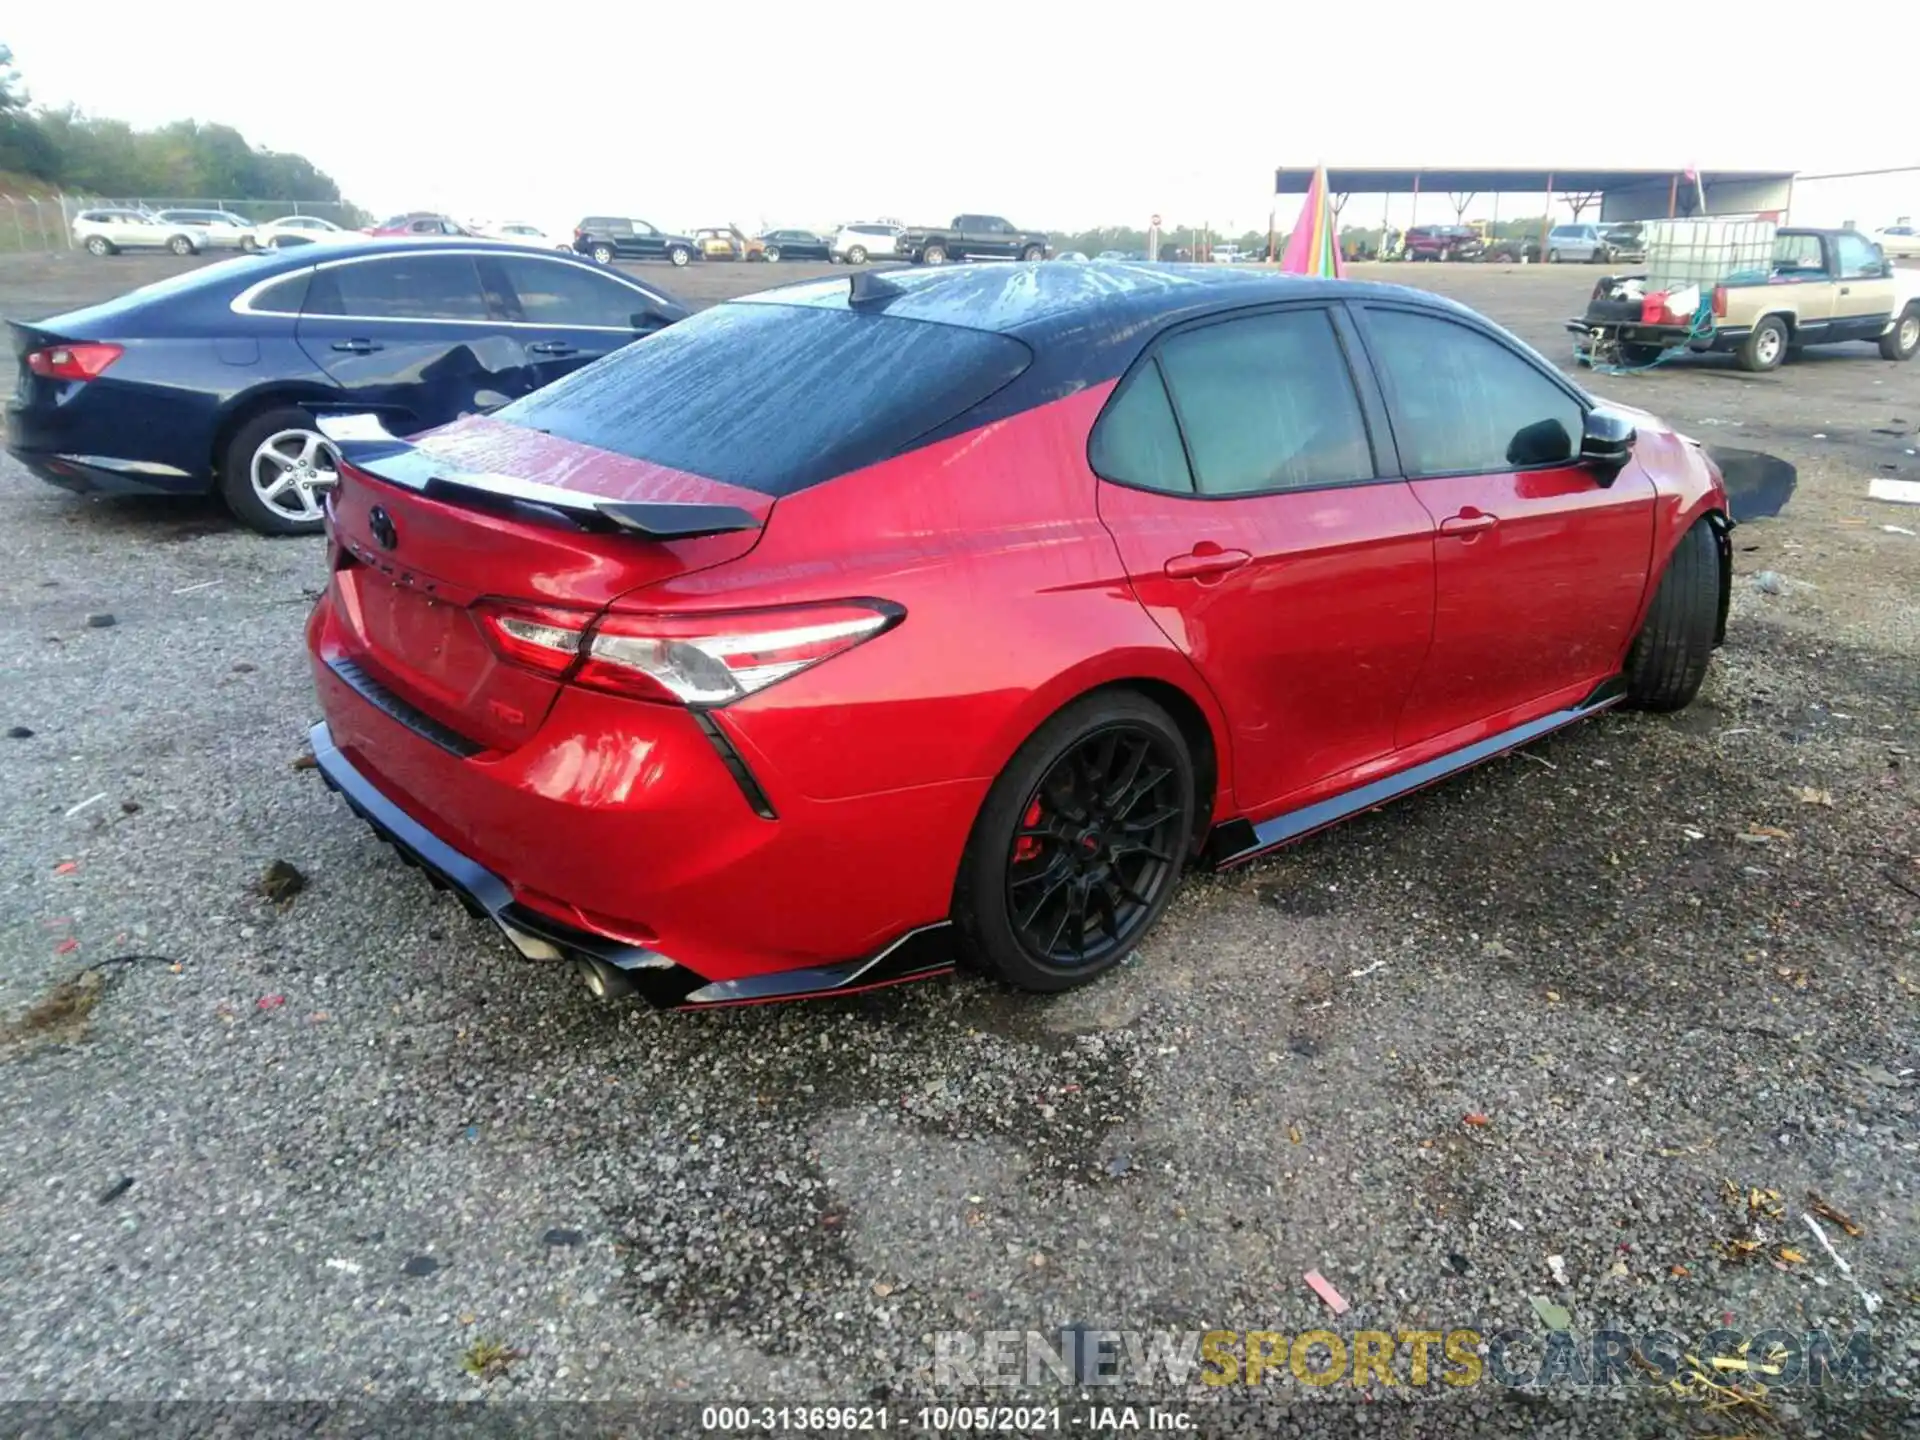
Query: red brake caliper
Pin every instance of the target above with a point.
(1027, 847)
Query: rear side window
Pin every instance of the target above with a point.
(552, 292)
(774, 397)
(286, 297)
(1137, 441)
(1267, 403)
(1463, 403)
(403, 287)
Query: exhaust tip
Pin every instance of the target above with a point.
(603, 981)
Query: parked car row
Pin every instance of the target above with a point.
(110, 229)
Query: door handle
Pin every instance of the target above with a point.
(1201, 564)
(553, 347)
(1468, 522)
(356, 347)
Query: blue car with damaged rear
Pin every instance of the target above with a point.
(212, 380)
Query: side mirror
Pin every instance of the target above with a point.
(1886, 270)
(1606, 444)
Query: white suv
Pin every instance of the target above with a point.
(225, 230)
(857, 244)
(109, 231)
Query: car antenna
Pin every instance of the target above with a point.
(864, 287)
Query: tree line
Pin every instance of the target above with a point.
(83, 154)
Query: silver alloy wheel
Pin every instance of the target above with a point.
(1771, 343)
(292, 471)
(1909, 333)
(771, 254)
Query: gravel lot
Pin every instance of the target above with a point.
(321, 1148)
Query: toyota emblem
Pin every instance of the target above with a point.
(382, 526)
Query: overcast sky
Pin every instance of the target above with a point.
(1053, 114)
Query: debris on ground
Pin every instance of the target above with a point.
(489, 1359)
(114, 1191)
(1770, 582)
(1324, 1289)
(1828, 1212)
(1557, 1267)
(100, 621)
(1475, 1119)
(129, 807)
(1900, 492)
(1808, 795)
(280, 882)
(562, 1237)
(305, 762)
(244, 667)
(1366, 970)
(270, 1002)
(1868, 1299)
(60, 1016)
(19, 732)
(1554, 1317)
(86, 804)
(420, 1266)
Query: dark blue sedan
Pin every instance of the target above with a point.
(211, 380)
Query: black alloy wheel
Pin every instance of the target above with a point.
(1097, 847)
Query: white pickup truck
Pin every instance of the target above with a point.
(1823, 287)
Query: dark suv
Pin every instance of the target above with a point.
(1444, 242)
(617, 237)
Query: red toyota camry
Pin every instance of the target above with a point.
(855, 628)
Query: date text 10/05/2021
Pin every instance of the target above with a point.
(946, 1419)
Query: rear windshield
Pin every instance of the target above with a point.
(775, 397)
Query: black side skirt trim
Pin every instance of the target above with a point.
(1239, 841)
(922, 952)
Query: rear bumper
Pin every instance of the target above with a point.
(61, 446)
(658, 840)
(920, 952)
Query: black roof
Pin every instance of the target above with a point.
(1052, 301)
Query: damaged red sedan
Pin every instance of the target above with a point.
(853, 629)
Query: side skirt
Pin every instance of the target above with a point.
(1238, 841)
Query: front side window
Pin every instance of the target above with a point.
(1463, 403)
(1798, 255)
(1267, 403)
(402, 287)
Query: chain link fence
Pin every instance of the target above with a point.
(43, 223)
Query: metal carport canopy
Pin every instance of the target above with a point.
(1345, 180)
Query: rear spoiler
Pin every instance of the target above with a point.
(365, 443)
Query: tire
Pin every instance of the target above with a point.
(1903, 341)
(1765, 346)
(243, 456)
(934, 255)
(1446, 254)
(857, 255)
(99, 245)
(248, 244)
(985, 913)
(180, 245)
(1670, 654)
(602, 254)
(1639, 355)
(1033, 252)
(771, 254)
(679, 255)
(1553, 257)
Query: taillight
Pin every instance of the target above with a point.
(543, 638)
(700, 659)
(1720, 302)
(711, 659)
(73, 362)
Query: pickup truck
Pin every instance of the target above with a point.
(971, 237)
(1824, 286)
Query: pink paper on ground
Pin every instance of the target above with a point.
(1326, 1292)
